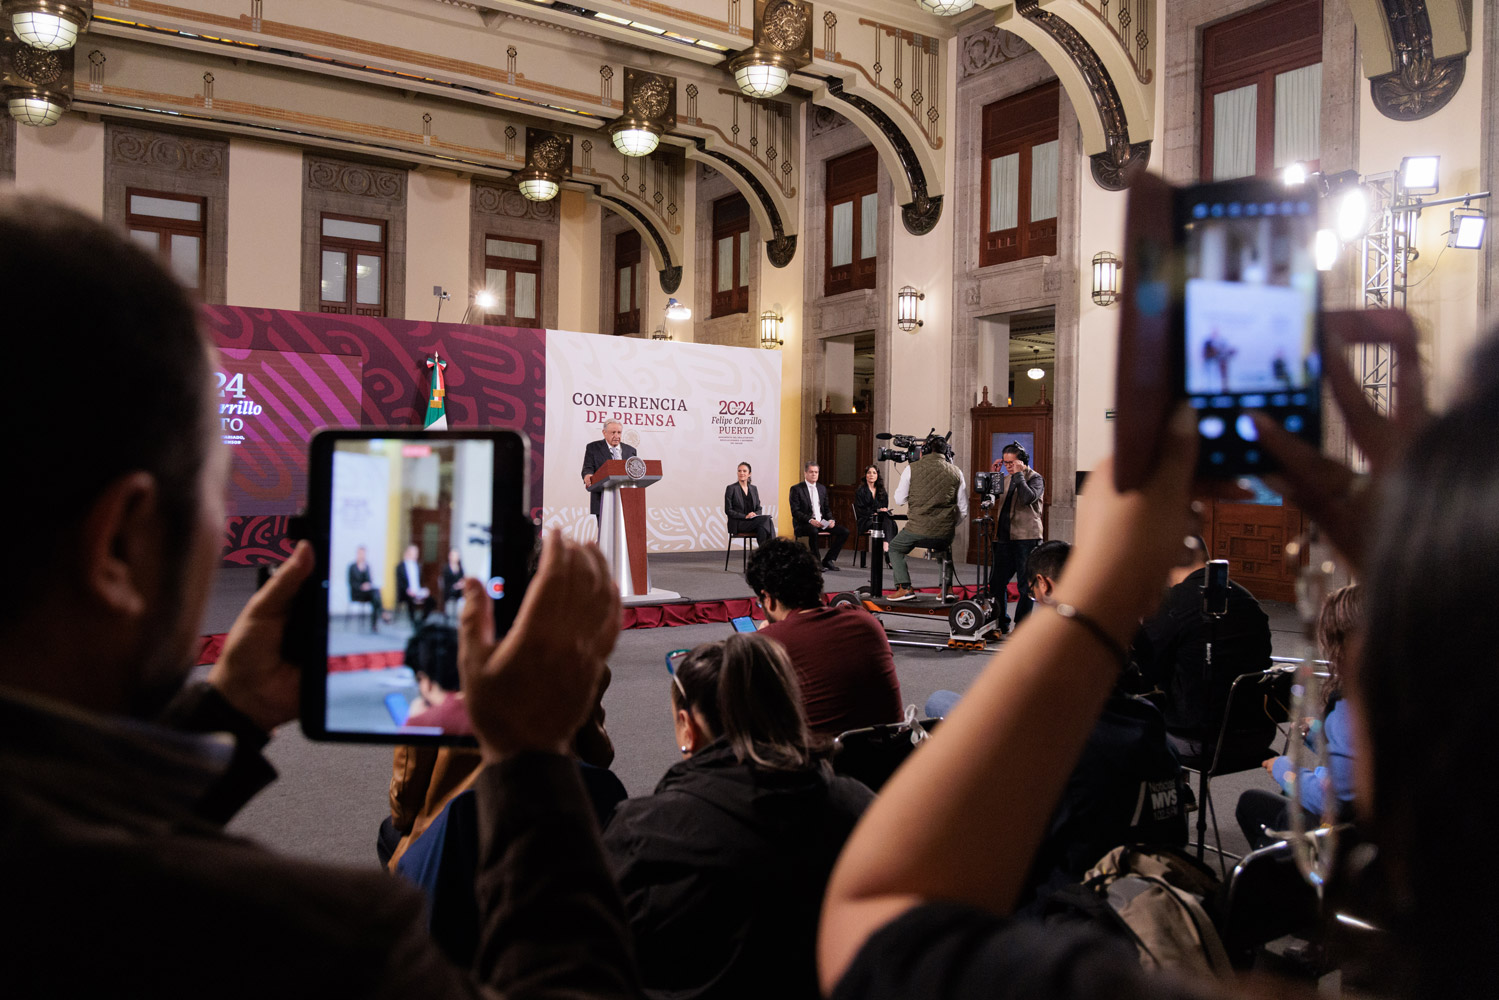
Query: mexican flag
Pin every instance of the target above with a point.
(437, 407)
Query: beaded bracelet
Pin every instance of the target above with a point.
(1113, 645)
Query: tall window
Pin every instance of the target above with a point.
(353, 268)
(173, 226)
(1018, 198)
(626, 281)
(512, 273)
(1262, 91)
(731, 255)
(852, 222)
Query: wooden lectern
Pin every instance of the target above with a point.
(623, 536)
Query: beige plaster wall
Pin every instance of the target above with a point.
(63, 161)
(578, 263)
(437, 224)
(265, 225)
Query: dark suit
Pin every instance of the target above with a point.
(595, 455)
(736, 504)
(801, 514)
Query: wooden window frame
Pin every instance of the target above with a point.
(355, 249)
(165, 228)
(1018, 124)
(731, 221)
(849, 179)
(627, 256)
(1254, 48)
(512, 265)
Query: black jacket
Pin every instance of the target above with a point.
(723, 871)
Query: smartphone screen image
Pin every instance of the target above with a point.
(1250, 337)
(403, 518)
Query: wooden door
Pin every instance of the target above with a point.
(1253, 537)
(845, 448)
(993, 427)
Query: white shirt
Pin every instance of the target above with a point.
(903, 490)
(816, 507)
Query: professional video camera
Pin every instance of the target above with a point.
(909, 448)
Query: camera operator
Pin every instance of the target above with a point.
(1017, 531)
(936, 495)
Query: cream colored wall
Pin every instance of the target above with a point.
(63, 161)
(265, 225)
(437, 224)
(578, 261)
(782, 291)
(1440, 293)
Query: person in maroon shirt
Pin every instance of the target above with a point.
(841, 656)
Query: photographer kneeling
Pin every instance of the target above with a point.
(936, 495)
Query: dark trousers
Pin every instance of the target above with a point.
(1009, 561)
(837, 535)
(763, 528)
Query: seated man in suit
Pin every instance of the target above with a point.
(599, 452)
(362, 589)
(741, 503)
(410, 591)
(810, 514)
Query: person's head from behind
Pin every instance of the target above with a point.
(432, 654)
(613, 431)
(742, 690)
(785, 577)
(1423, 687)
(119, 553)
(1043, 567)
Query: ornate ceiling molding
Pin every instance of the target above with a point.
(1415, 53)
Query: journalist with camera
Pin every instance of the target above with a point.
(936, 495)
(1016, 490)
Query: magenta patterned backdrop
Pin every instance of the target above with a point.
(496, 376)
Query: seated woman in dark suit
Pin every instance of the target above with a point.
(741, 502)
(872, 508)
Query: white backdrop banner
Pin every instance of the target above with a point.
(699, 408)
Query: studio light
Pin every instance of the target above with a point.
(1294, 175)
(758, 73)
(1353, 215)
(1326, 249)
(1418, 174)
(905, 308)
(675, 310)
(49, 25)
(945, 8)
(36, 108)
(1105, 278)
(770, 331)
(633, 138)
(1467, 229)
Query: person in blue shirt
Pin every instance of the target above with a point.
(1264, 814)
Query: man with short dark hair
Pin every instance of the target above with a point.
(1171, 651)
(1017, 531)
(811, 513)
(841, 656)
(115, 780)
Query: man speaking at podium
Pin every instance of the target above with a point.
(599, 452)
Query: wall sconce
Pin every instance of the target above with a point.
(1105, 278)
(770, 331)
(36, 85)
(675, 310)
(49, 25)
(650, 112)
(905, 308)
(660, 334)
(783, 43)
(1468, 225)
(549, 161)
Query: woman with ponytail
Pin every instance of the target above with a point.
(723, 868)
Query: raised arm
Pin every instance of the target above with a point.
(984, 787)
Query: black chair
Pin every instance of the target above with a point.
(871, 755)
(1254, 699)
(749, 539)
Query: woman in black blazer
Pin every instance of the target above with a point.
(872, 507)
(741, 502)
